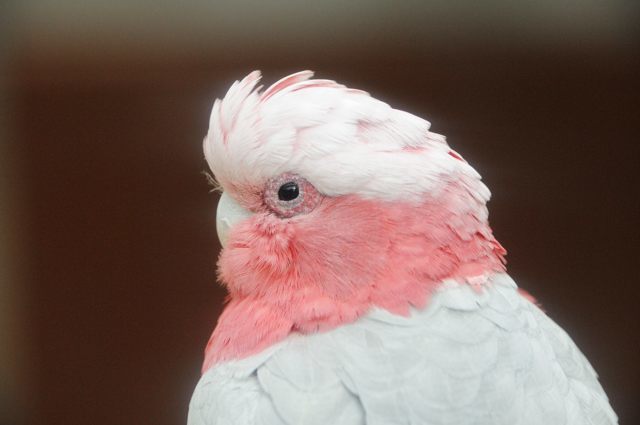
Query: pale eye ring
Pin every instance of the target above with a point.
(289, 194)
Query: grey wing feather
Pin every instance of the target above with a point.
(486, 357)
(221, 397)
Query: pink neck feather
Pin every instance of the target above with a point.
(318, 271)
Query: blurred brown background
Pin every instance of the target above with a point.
(107, 227)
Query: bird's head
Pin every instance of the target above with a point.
(334, 202)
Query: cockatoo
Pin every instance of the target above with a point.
(365, 284)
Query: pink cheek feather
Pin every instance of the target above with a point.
(316, 271)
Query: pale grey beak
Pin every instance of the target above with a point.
(229, 213)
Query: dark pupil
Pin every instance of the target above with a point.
(288, 191)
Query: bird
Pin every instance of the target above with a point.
(365, 284)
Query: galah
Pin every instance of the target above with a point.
(365, 284)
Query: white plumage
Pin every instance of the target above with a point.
(342, 140)
(483, 356)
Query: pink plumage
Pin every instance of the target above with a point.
(365, 283)
(320, 270)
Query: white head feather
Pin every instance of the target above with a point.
(341, 140)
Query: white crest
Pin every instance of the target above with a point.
(342, 140)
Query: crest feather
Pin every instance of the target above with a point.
(340, 139)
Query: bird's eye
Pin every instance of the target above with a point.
(290, 194)
(288, 191)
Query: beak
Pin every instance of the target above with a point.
(229, 213)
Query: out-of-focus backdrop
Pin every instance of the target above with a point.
(107, 235)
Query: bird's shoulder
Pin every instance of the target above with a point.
(481, 356)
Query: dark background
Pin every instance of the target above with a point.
(109, 243)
